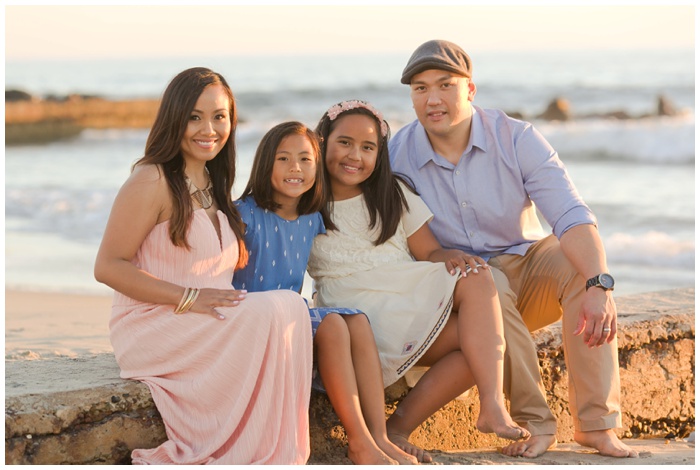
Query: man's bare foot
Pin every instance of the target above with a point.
(532, 447)
(393, 451)
(402, 443)
(368, 454)
(495, 419)
(606, 442)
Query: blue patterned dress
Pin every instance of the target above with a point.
(278, 251)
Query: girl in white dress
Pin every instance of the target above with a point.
(383, 259)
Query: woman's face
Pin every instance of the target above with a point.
(209, 125)
(351, 154)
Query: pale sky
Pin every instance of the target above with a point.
(90, 31)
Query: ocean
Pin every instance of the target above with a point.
(637, 175)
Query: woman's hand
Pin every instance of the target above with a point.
(209, 299)
(466, 263)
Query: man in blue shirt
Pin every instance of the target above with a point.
(482, 174)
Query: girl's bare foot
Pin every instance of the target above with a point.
(368, 454)
(402, 443)
(495, 419)
(606, 442)
(532, 447)
(393, 451)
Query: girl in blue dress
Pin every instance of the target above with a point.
(283, 207)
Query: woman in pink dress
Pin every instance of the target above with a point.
(229, 371)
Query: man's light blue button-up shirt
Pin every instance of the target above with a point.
(485, 205)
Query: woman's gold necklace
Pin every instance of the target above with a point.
(203, 197)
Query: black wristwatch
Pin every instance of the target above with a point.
(605, 281)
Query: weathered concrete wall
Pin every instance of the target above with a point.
(51, 419)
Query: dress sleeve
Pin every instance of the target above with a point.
(246, 212)
(417, 213)
(321, 226)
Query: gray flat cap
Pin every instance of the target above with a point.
(437, 54)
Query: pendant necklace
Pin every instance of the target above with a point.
(203, 197)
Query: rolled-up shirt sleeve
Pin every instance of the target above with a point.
(548, 184)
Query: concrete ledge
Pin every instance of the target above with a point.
(52, 417)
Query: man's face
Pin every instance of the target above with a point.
(441, 100)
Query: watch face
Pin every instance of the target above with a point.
(606, 280)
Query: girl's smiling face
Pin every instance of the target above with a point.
(294, 169)
(351, 154)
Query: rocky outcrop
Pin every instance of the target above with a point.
(558, 109)
(17, 95)
(51, 418)
(664, 107)
(38, 121)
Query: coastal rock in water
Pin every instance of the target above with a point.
(72, 98)
(54, 118)
(12, 96)
(664, 107)
(516, 115)
(557, 110)
(617, 115)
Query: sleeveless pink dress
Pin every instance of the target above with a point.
(233, 391)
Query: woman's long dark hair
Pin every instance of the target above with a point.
(163, 148)
(381, 191)
(260, 182)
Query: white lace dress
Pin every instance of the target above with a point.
(407, 301)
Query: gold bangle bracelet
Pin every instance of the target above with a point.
(183, 300)
(186, 305)
(194, 299)
(194, 293)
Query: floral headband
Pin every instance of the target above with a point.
(337, 109)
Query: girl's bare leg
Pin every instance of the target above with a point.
(444, 381)
(333, 351)
(480, 326)
(368, 374)
(451, 373)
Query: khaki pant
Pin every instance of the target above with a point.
(536, 290)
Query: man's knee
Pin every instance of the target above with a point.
(570, 283)
(549, 260)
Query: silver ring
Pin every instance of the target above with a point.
(606, 330)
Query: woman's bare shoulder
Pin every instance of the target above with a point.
(148, 178)
(147, 173)
(147, 183)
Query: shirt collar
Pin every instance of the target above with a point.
(424, 149)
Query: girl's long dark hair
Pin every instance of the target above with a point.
(163, 149)
(260, 182)
(381, 191)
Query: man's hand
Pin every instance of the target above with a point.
(597, 319)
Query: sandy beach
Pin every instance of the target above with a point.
(651, 452)
(49, 324)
